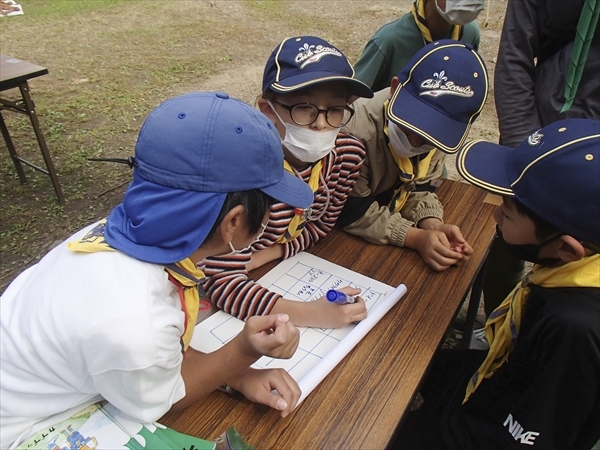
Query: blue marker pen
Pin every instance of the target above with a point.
(339, 297)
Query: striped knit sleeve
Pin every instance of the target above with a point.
(228, 287)
(227, 284)
(342, 170)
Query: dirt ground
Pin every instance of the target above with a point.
(237, 35)
(364, 18)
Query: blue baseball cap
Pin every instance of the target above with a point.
(442, 90)
(303, 61)
(191, 151)
(555, 173)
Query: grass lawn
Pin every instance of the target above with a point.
(111, 61)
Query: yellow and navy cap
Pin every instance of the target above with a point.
(441, 92)
(555, 173)
(303, 61)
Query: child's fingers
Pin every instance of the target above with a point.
(443, 259)
(284, 340)
(289, 393)
(356, 311)
(454, 233)
(350, 290)
(467, 249)
(258, 324)
(443, 252)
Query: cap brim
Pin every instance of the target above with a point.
(161, 225)
(484, 164)
(301, 81)
(445, 133)
(291, 190)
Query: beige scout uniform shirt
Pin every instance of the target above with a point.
(380, 173)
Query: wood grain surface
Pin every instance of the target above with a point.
(362, 401)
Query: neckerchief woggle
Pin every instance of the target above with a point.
(408, 175)
(503, 325)
(418, 11)
(184, 274)
(298, 222)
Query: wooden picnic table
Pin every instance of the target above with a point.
(364, 399)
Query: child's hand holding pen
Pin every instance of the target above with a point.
(330, 314)
(339, 297)
(322, 313)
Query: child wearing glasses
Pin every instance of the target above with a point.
(308, 86)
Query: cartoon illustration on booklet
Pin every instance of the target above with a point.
(102, 426)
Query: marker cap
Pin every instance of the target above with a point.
(338, 297)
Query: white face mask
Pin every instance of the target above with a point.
(460, 12)
(402, 146)
(307, 145)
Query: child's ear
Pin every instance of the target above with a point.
(232, 220)
(394, 85)
(570, 249)
(265, 108)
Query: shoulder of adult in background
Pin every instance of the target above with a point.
(369, 117)
(399, 40)
(404, 32)
(388, 50)
(472, 34)
(397, 32)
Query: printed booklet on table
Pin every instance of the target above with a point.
(102, 426)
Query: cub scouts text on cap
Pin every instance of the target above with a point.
(300, 62)
(441, 92)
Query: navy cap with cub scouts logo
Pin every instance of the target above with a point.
(441, 92)
(300, 62)
(191, 151)
(555, 173)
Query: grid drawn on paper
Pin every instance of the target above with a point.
(305, 283)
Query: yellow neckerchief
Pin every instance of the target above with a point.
(502, 328)
(418, 11)
(184, 274)
(300, 215)
(408, 176)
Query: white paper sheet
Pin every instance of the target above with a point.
(312, 379)
(306, 277)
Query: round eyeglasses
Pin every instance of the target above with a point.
(307, 113)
